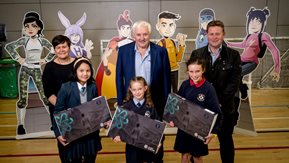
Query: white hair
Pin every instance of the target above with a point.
(141, 23)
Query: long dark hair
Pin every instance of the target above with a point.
(261, 15)
(76, 65)
(31, 17)
(147, 95)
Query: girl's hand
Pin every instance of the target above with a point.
(171, 124)
(62, 140)
(117, 139)
(42, 61)
(275, 76)
(20, 60)
(107, 124)
(209, 138)
(52, 50)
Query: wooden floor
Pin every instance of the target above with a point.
(270, 110)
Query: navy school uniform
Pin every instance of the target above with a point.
(135, 154)
(204, 95)
(87, 146)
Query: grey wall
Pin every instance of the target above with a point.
(102, 15)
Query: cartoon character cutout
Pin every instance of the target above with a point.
(254, 46)
(206, 15)
(33, 44)
(105, 76)
(75, 34)
(166, 25)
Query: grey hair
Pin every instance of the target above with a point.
(141, 23)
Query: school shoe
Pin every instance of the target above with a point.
(21, 130)
(244, 91)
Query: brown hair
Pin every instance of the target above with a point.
(147, 95)
(217, 23)
(196, 60)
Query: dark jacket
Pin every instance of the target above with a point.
(160, 74)
(224, 74)
(68, 97)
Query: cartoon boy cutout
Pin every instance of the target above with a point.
(206, 15)
(105, 76)
(166, 26)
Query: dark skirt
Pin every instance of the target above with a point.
(88, 145)
(186, 143)
(138, 155)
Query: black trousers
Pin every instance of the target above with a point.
(225, 137)
(174, 81)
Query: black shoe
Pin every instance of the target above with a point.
(21, 130)
(244, 91)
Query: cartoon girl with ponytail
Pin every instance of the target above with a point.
(33, 43)
(254, 46)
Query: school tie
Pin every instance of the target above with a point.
(138, 104)
(82, 90)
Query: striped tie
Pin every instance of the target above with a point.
(82, 90)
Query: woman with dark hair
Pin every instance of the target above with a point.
(58, 71)
(33, 44)
(254, 43)
(80, 89)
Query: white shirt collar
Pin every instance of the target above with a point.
(80, 86)
(136, 101)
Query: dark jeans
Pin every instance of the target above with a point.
(248, 67)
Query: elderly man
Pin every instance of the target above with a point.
(146, 59)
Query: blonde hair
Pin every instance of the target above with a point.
(147, 95)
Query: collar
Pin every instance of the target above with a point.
(137, 101)
(198, 84)
(80, 86)
(148, 49)
(218, 52)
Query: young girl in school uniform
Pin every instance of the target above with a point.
(73, 93)
(201, 92)
(139, 101)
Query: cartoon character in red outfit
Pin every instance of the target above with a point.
(105, 77)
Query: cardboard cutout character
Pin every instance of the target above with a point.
(33, 44)
(105, 77)
(254, 46)
(166, 26)
(75, 34)
(206, 15)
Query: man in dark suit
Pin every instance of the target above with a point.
(146, 59)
